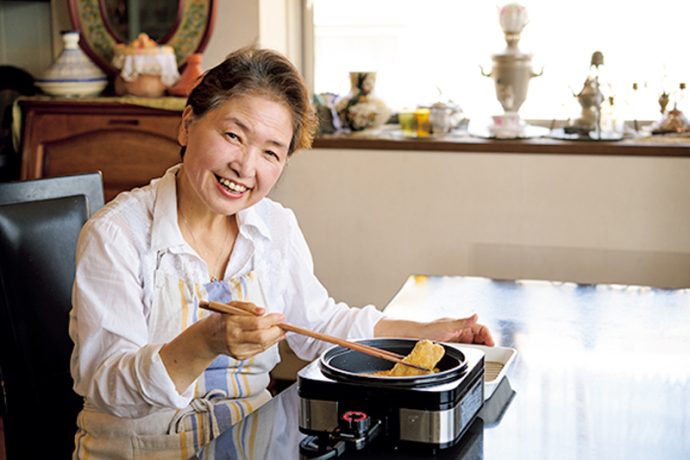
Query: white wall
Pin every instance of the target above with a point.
(374, 217)
(265, 23)
(236, 26)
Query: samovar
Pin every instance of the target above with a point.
(512, 69)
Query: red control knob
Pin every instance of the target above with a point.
(355, 422)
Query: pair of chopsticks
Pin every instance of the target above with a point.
(245, 308)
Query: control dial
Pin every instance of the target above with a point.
(355, 422)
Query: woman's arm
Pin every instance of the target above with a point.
(307, 302)
(114, 364)
(464, 330)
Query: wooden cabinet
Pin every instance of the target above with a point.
(129, 144)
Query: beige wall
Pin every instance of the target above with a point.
(266, 23)
(25, 36)
(236, 26)
(374, 217)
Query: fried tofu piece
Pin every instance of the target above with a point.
(425, 353)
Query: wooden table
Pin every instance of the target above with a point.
(603, 372)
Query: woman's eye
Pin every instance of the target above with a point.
(232, 136)
(271, 153)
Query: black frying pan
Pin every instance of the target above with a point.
(348, 365)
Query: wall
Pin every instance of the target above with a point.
(266, 23)
(25, 35)
(236, 26)
(374, 217)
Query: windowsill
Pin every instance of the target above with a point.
(666, 146)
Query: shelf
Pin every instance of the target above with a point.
(643, 146)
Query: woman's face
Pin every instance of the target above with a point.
(235, 152)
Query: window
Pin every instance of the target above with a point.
(432, 50)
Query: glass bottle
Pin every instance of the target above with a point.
(611, 123)
(681, 98)
(634, 107)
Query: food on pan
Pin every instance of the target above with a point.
(425, 353)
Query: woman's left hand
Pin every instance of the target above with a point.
(465, 330)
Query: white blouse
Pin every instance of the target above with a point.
(117, 334)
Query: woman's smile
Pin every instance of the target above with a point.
(232, 187)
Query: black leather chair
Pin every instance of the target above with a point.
(39, 226)
(88, 184)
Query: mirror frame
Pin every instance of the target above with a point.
(190, 33)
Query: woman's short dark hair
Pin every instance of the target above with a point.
(259, 72)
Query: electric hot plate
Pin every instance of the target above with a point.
(343, 406)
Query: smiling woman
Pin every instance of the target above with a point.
(156, 251)
(157, 372)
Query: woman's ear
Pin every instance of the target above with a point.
(183, 129)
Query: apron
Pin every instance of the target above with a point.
(226, 392)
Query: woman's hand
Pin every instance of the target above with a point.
(243, 336)
(465, 330)
(240, 336)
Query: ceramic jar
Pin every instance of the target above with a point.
(72, 73)
(146, 69)
(360, 109)
(190, 76)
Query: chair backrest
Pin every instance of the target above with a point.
(89, 184)
(37, 263)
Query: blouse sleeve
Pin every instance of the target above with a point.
(308, 304)
(113, 364)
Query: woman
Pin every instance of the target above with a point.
(159, 375)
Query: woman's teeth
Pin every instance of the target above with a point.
(235, 187)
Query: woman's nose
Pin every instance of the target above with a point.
(244, 163)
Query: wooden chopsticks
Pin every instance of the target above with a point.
(245, 308)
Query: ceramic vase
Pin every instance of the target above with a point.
(190, 76)
(361, 109)
(72, 73)
(146, 68)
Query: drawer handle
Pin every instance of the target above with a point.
(123, 122)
